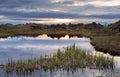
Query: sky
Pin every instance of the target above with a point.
(59, 11)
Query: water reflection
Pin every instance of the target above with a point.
(23, 47)
(63, 73)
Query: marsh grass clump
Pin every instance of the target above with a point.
(71, 58)
(10, 66)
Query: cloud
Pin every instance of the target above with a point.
(27, 9)
(97, 3)
(50, 14)
(1, 17)
(20, 14)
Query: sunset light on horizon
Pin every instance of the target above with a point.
(59, 11)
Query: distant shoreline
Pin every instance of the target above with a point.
(104, 38)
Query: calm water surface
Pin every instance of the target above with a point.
(26, 47)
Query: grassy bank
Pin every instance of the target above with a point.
(52, 30)
(71, 58)
(107, 44)
(104, 38)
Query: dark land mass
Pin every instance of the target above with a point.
(104, 38)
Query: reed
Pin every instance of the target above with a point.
(10, 66)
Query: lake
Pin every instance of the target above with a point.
(22, 47)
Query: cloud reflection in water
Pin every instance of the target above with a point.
(25, 47)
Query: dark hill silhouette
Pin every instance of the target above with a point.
(115, 26)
